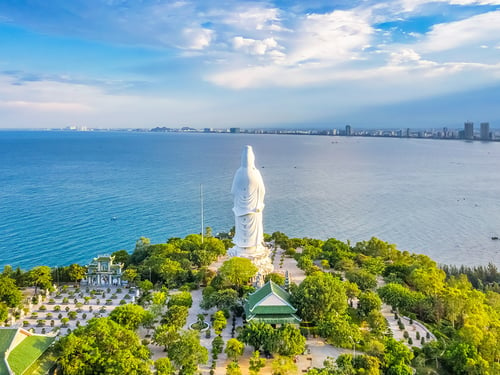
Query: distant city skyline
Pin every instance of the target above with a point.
(370, 64)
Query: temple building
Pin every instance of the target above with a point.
(103, 271)
(270, 304)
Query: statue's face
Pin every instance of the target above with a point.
(247, 157)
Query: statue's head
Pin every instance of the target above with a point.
(247, 157)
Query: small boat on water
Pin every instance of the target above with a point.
(494, 238)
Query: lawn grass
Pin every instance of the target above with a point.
(27, 352)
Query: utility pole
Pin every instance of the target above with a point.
(202, 213)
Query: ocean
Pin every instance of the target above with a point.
(66, 197)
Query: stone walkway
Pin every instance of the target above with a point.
(317, 349)
(95, 306)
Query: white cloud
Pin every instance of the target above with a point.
(475, 30)
(251, 18)
(411, 5)
(197, 38)
(45, 106)
(254, 47)
(331, 37)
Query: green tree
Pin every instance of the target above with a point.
(181, 299)
(103, 347)
(41, 277)
(9, 292)
(219, 322)
(430, 281)
(217, 345)
(277, 278)
(259, 335)
(4, 311)
(163, 366)
(368, 301)
(376, 248)
(141, 250)
(169, 270)
(76, 272)
(129, 316)
(397, 358)
(165, 335)
(339, 330)
(131, 275)
(187, 353)
(319, 296)
(398, 296)
(233, 368)
(158, 300)
(225, 299)
(363, 278)
(121, 256)
(283, 365)
(377, 322)
(237, 271)
(256, 363)
(289, 341)
(367, 365)
(176, 316)
(234, 349)
(345, 365)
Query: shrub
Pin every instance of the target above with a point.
(410, 341)
(127, 296)
(52, 301)
(84, 316)
(57, 308)
(25, 323)
(406, 334)
(123, 302)
(417, 335)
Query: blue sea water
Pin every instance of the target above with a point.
(60, 190)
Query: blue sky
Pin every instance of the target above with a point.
(222, 63)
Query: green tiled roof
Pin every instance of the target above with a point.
(275, 319)
(279, 311)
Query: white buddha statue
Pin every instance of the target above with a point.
(248, 191)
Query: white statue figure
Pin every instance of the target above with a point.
(248, 191)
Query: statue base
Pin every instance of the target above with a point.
(260, 257)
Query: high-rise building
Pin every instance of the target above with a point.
(348, 130)
(469, 130)
(485, 131)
